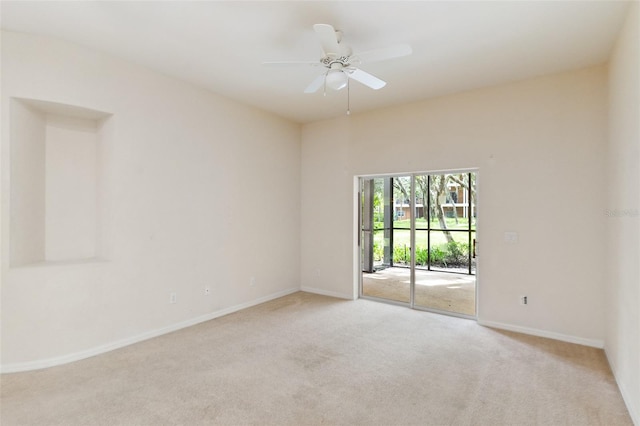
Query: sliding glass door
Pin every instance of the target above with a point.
(418, 241)
(445, 238)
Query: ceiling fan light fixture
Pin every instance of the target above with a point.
(336, 79)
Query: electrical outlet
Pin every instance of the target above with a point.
(523, 300)
(173, 298)
(207, 291)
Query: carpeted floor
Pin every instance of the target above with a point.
(306, 359)
(434, 290)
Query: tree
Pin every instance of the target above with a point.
(422, 194)
(463, 180)
(400, 185)
(378, 199)
(438, 193)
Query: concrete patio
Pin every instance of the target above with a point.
(434, 290)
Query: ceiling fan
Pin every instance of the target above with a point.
(342, 64)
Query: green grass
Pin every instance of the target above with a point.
(403, 237)
(422, 223)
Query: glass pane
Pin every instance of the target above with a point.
(449, 251)
(401, 247)
(449, 201)
(445, 291)
(391, 283)
(390, 276)
(421, 249)
(442, 279)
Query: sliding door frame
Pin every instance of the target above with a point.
(358, 290)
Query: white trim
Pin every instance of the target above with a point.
(326, 293)
(595, 343)
(65, 359)
(356, 288)
(626, 397)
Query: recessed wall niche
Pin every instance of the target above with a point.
(60, 160)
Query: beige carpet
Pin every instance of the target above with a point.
(308, 360)
(434, 290)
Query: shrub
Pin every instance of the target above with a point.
(378, 251)
(455, 254)
(443, 255)
(402, 254)
(421, 256)
(438, 255)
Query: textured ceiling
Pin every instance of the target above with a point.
(457, 46)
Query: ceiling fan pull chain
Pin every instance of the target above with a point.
(348, 98)
(324, 84)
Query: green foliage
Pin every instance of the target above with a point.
(378, 251)
(456, 254)
(443, 255)
(438, 255)
(401, 255)
(421, 256)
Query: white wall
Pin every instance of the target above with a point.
(539, 148)
(327, 225)
(202, 191)
(27, 184)
(623, 207)
(71, 188)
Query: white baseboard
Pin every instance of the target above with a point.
(65, 359)
(326, 293)
(633, 409)
(595, 343)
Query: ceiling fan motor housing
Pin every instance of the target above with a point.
(329, 61)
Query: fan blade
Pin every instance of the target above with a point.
(385, 53)
(367, 79)
(315, 84)
(328, 39)
(291, 63)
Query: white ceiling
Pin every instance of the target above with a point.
(221, 45)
